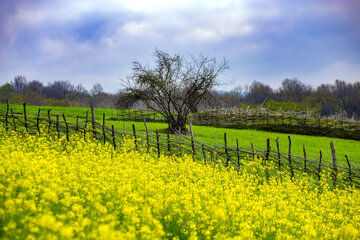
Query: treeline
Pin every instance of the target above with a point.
(57, 93)
(340, 98)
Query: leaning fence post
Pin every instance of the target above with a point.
(86, 122)
(135, 139)
(168, 142)
(290, 164)
(103, 128)
(37, 120)
(157, 142)
(319, 168)
(25, 119)
(67, 127)
(49, 120)
(192, 140)
(113, 136)
(57, 126)
(13, 117)
(6, 115)
(147, 137)
(348, 162)
(77, 124)
(304, 158)
(93, 121)
(252, 151)
(226, 151)
(333, 154)
(203, 151)
(278, 152)
(268, 148)
(237, 152)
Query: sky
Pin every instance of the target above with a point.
(92, 41)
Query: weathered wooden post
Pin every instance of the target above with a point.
(135, 139)
(252, 151)
(203, 151)
(226, 151)
(335, 167)
(168, 142)
(113, 136)
(319, 168)
(147, 137)
(348, 162)
(93, 121)
(278, 152)
(304, 158)
(268, 148)
(157, 142)
(192, 141)
(49, 118)
(237, 152)
(103, 127)
(38, 120)
(67, 127)
(13, 117)
(86, 122)
(57, 126)
(290, 164)
(25, 119)
(6, 115)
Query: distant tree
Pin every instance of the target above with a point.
(259, 93)
(35, 87)
(5, 92)
(293, 90)
(19, 84)
(58, 89)
(174, 87)
(96, 90)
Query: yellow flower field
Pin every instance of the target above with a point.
(52, 189)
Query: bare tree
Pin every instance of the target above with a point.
(174, 87)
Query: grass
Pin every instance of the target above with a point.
(215, 135)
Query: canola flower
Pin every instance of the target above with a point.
(53, 189)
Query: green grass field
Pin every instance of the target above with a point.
(215, 135)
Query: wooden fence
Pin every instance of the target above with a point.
(253, 117)
(231, 156)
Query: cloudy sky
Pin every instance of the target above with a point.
(93, 41)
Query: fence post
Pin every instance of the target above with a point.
(348, 162)
(77, 124)
(290, 164)
(203, 151)
(57, 126)
(93, 121)
(113, 136)
(103, 127)
(37, 120)
(86, 122)
(278, 152)
(192, 140)
(226, 151)
(135, 139)
(319, 169)
(13, 117)
(268, 148)
(252, 151)
(6, 115)
(67, 127)
(157, 142)
(335, 168)
(237, 152)
(25, 119)
(304, 150)
(168, 142)
(49, 130)
(147, 137)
